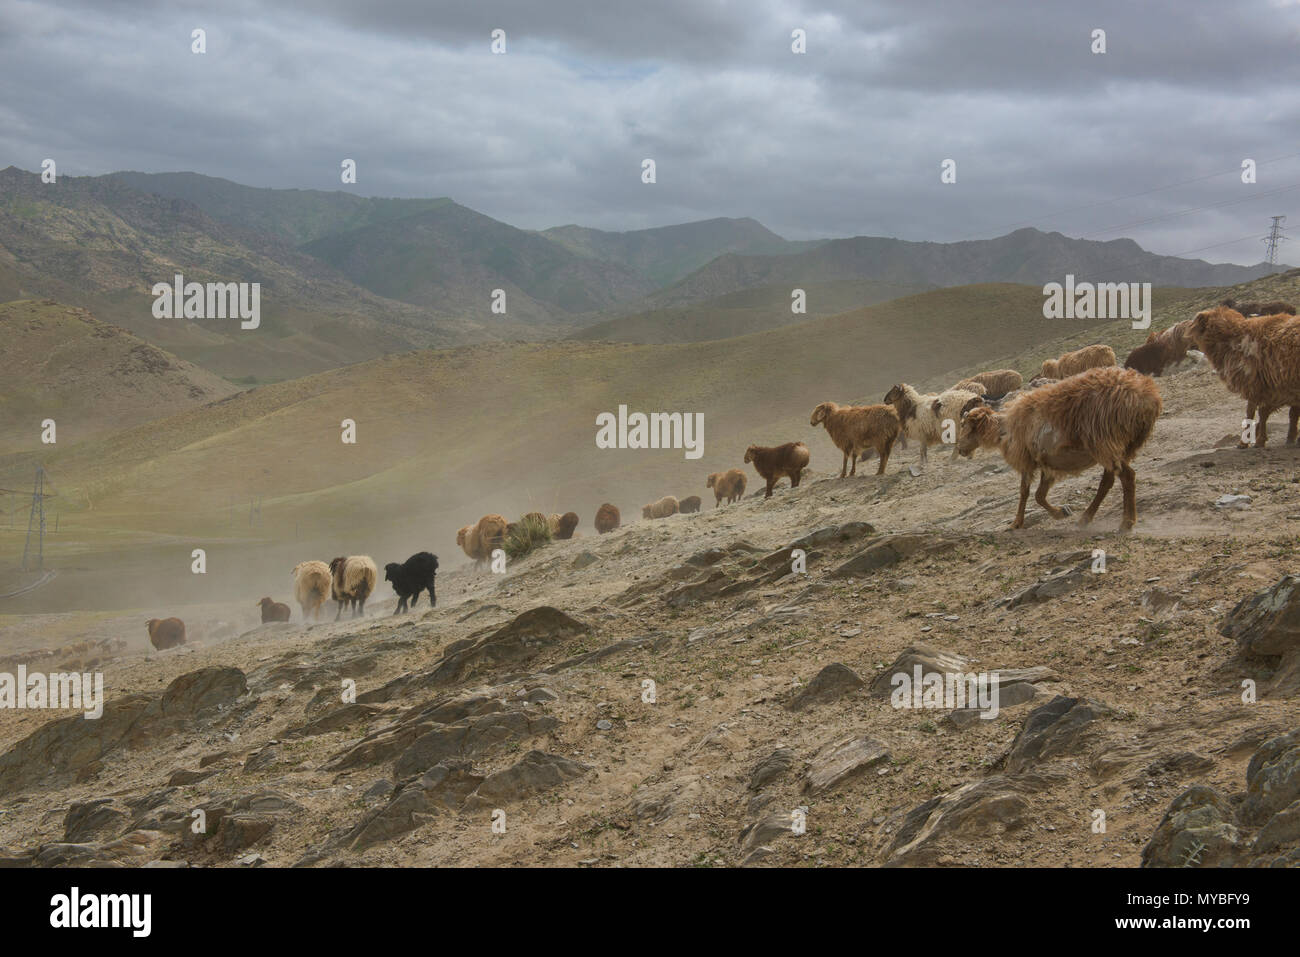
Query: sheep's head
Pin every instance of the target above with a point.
(894, 394)
(391, 569)
(645, 511)
(749, 453)
(1051, 369)
(151, 624)
(820, 413)
(460, 535)
(980, 428)
(264, 602)
(713, 480)
(1204, 321)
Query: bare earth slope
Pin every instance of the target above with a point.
(525, 693)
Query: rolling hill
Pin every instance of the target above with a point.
(90, 377)
(742, 313)
(1024, 256)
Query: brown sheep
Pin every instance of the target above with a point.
(1080, 360)
(778, 461)
(312, 583)
(997, 384)
(568, 522)
(1161, 350)
(689, 504)
(480, 539)
(729, 485)
(1277, 307)
(607, 518)
(856, 428)
(1098, 417)
(273, 610)
(973, 387)
(1257, 358)
(354, 579)
(661, 509)
(165, 632)
(537, 518)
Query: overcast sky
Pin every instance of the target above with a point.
(844, 140)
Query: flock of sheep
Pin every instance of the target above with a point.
(1081, 410)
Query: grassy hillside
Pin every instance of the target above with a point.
(90, 377)
(742, 313)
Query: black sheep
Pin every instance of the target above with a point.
(412, 577)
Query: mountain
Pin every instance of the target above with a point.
(744, 312)
(91, 377)
(665, 254)
(294, 216)
(454, 255)
(1024, 256)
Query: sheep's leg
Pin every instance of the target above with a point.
(1291, 429)
(339, 613)
(844, 468)
(1250, 417)
(1261, 431)
(883, 451)
(361, 609)
(1025, 480)
(1044, 484)
(1107, 480)
(1128, 481)
(795, 477)
(770, 483)
(925, 452)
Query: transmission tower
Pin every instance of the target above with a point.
(1274, 240)
(36, 522)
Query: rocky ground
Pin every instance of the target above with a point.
(515, 723)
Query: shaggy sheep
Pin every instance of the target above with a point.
(1257, 358)
(311, 586)
(607, 518)
(1273, 308)
(479, 540)
(856, 428)
(729, 485)
(661, 509)
(923, 416)
(997, 384)
(553, 523)
(1080, 360)
(411, 577)
(778, 461)
(568, 522)
(970, 385)
(166, 632)
(353, 582)
(689, 504)
(1098, 417)
(1161, 350)
(273, 610)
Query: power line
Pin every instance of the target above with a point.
(1274, 239)
(1193, 209)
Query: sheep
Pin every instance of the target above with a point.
(689, 504)
(661, 509)
(273, 610)
(553, 523)
(729, 485)
(536, 518)
(856, 428)
(1161, 350)
(922, 417)
(411, 577)
(353, 582)
(165, 633)
(489, 533)
(1257, 358)
(1072, 363)
(568, 522)
(970, 385)
(607, 518)
(1099, 417)
(1260, 308)
(997, 384)
(312, 584)
(775, 462)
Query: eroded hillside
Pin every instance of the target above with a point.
(523, 692)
